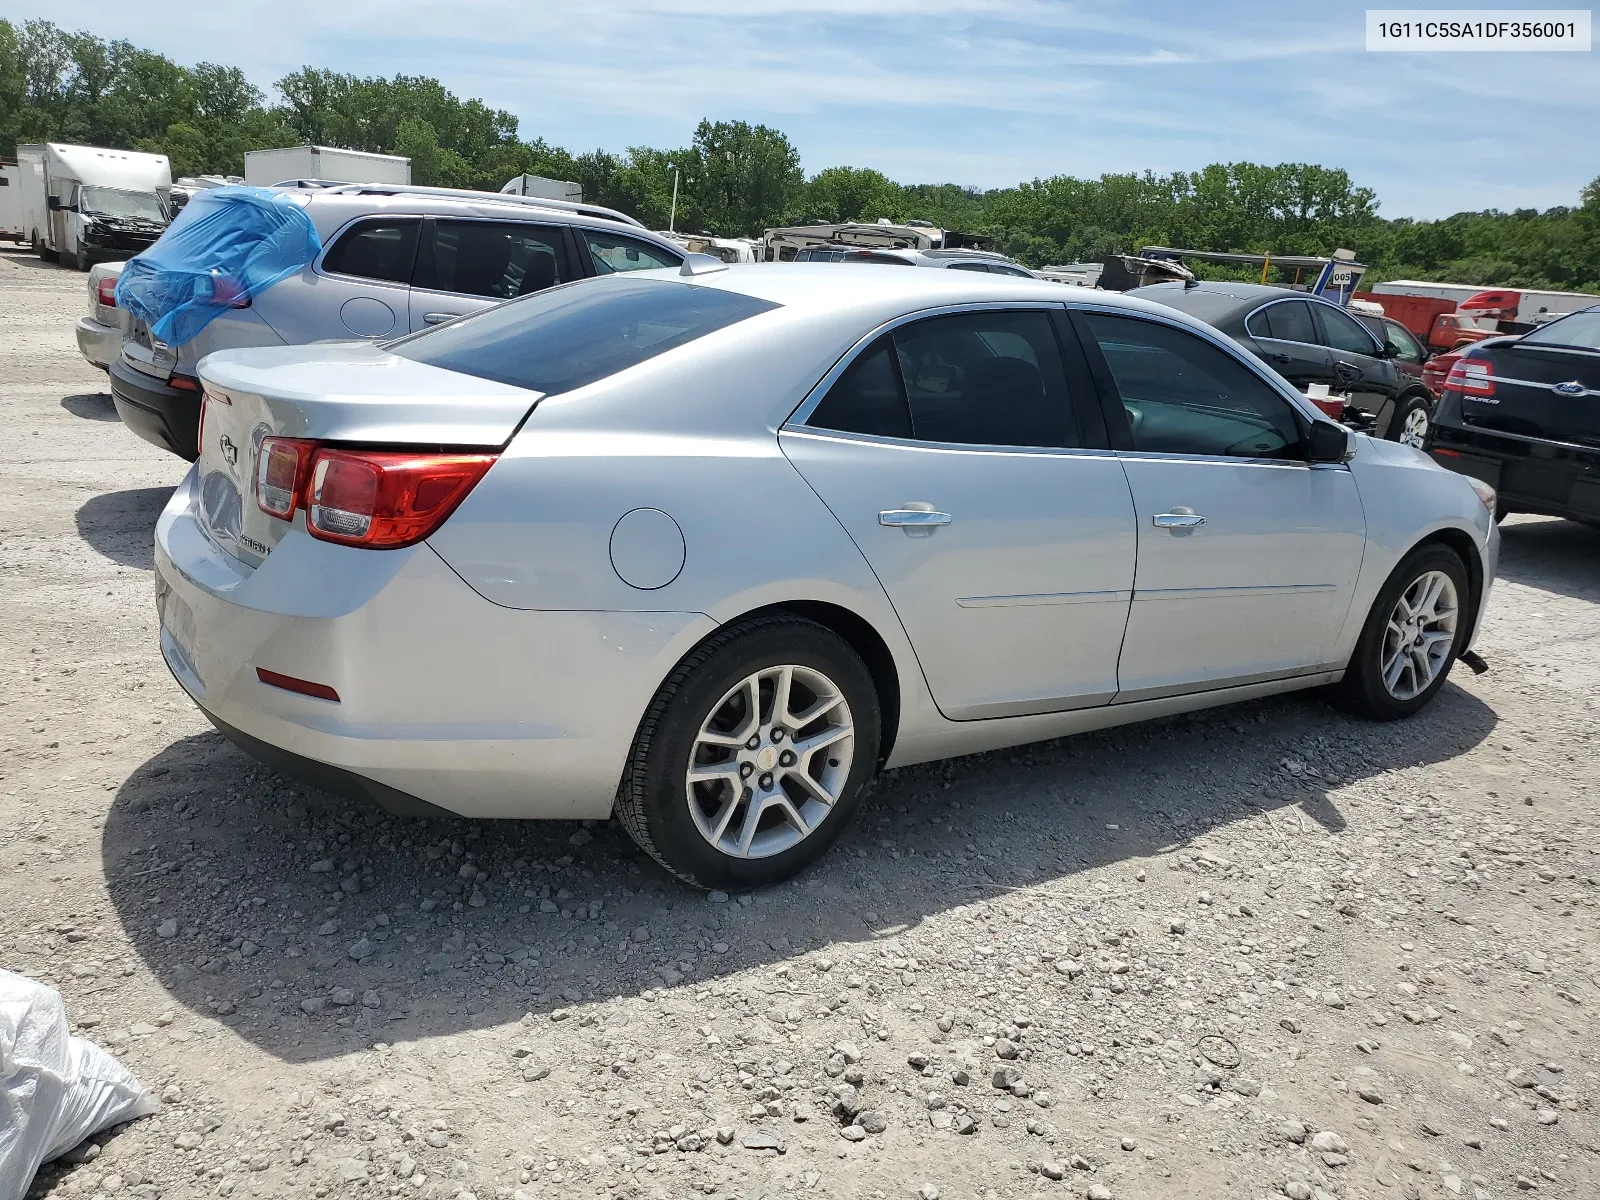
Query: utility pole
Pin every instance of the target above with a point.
(672, 218)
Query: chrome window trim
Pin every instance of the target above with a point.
(797, 419)
(873, 439)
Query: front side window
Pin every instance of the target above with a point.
(971, 379)
(1185, 396)
(612, 253)
(1344, 332)
(497, 259)
(1405, 346)
(1286, 321)
(382, 249)
(564, 338)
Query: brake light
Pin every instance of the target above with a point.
(282, 468)
(105, 292)
(385, 499)
(1470, 377)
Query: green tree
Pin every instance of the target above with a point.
(745, 177)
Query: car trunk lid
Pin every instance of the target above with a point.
(355, 394)
(1540, 392)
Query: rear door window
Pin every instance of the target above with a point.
(867, 398)
(1286, 321)
(381, 248)
(564, 338)
(613, 253)
(500, 260)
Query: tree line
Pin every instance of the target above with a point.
(735, 178)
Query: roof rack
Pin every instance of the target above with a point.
(416, 189)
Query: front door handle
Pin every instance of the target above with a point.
(438, 318)
(1178, 520)
(913, 519)
(1280, 358)
(1347, 372)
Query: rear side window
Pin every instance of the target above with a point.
(501, 260)
(867, 397)
(1288, 321)
(613, 253)
(378, 249)
(972, 379)
(567, 337)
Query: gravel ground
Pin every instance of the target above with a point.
(1264, 951)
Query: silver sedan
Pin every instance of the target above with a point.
(705, 548)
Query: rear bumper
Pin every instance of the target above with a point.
(1531, 475)
(163, 416)
(100, 344)
(446, 700)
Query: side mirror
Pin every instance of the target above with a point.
(1329, 443)
(1387, 351)
(55, 203)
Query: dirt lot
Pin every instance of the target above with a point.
(1265, 951)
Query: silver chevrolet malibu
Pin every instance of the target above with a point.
(706, 547)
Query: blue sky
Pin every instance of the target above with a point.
(981, 92)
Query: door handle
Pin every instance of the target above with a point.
(1280, 358)
(438, 318)
(1178, 520)
(1347, 372)
(913, 518)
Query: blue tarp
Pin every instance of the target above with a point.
(227, 246)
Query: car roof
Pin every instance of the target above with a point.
(330, 210)
(1216, 300)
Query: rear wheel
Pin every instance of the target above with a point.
(752, 756)
(1412, 635)
(1412, 420)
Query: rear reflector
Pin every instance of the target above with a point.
(1470, 377)
(1438, 453)
(289, 683)
(105, 292)
(184, 383)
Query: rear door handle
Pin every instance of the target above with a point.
(912, 518)
(438, 318)
(1280, 358)
(1178, 520)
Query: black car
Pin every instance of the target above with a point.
(1523, 414)
(1309, 340)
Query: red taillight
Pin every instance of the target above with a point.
(1470, 377)
(105, 292)
(385, 499)
(282, 468)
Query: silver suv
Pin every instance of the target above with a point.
(394, 260)
(954, 260)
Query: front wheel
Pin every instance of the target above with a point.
(1412, 420)
(751, 758)
(1413, 633)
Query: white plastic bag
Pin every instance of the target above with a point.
(55, 1089)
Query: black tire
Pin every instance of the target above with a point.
(1362, 690)
(653, 802)
(1404, 407)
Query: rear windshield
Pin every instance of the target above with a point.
(566, 337)
(1581, 330)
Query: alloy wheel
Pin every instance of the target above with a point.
(1420, 634)
(770, 761)
(1414, 432)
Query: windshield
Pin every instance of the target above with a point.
(1581, 329)
(114, 202)
(566, 337)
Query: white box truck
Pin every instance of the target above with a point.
(88, 204)
(545, 189)
(11, 203)
(323, 164)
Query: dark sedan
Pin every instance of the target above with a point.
(1523, 414)
(1309, 340)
